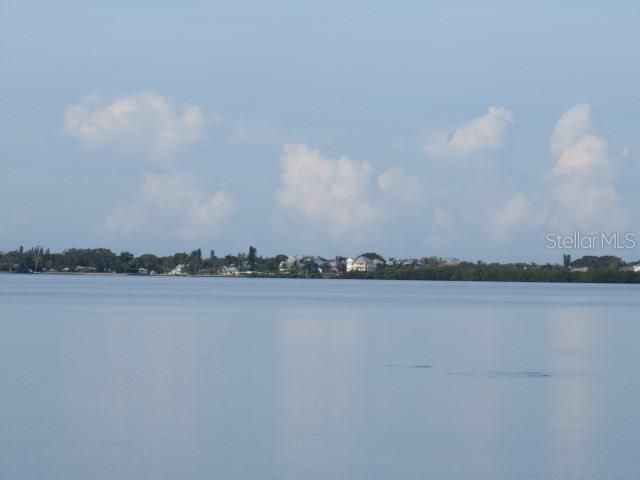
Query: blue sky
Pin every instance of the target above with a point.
(466, 130)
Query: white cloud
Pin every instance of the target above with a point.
(485, 133)
(518, 210)
(173, 206)
(583, 187)
(571, 127)
(581, 191)
(144, 122)
(340, 195)
(400, 186)
(588, 156)
(333, 193)
(479, 186)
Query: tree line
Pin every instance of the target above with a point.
(498, 272)
(103, 260)
(591, 269)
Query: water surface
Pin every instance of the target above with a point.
(200, 378)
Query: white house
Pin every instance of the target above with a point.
(579, 269)
(363, 264)
(178, 271)
(349, 263)
(631, 268)
(288, 265)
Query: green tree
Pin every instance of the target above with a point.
(195, 261)
(373, 256)
(252, 257)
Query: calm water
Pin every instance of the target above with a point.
(177, 378)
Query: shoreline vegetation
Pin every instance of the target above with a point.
(102, 261)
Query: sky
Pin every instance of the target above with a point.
(461, 129)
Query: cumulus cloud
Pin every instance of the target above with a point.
(340, 195)
(517, 211)
(481, 187)
(583, 187)
(570, 128)
(173, 206)
(333, 192)
(141, 123)
(485, 133)
(400, 186)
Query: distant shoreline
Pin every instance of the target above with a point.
(320, 277)
(365, 266)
